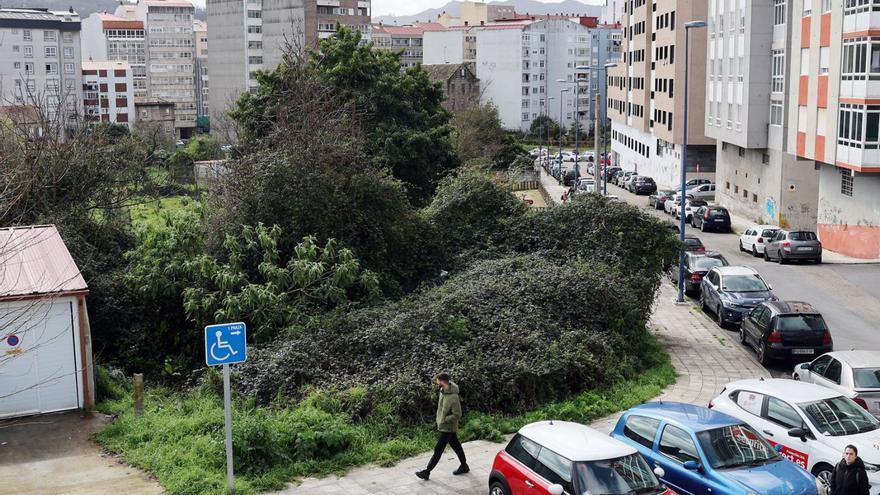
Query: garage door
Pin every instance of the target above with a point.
(39, 358)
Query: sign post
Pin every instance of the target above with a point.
(225, 344)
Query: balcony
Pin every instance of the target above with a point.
(328, 3)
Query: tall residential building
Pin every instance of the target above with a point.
(107, 37)
(40, 62)
(200, 41)
(108, 92)
(170, 55)
(406, 40)
(747, 92)
(646, 91)
(612, 12)
(519, 62)
(252, 35)
(834, 66)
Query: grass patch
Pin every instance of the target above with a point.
(179, 439)
(151, 214)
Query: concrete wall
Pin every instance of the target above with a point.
(850, 224)
(227, 58)
(663, 162)
(500, 73)
(94, 43)
(443, 47)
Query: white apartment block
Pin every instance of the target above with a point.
(519, 62)
(40, 62)
(200, 41)
(107, 37)
(170, 55)
(108, 92)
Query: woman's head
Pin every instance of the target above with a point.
(850, 454)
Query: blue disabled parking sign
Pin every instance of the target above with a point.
(225, 344)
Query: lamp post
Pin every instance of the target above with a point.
(681, 227)
(549, 99)
(577, 124)
(564, 90)
(602, 120)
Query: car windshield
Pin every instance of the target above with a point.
(866, 377)
(624, 475)
(735, 446)
(800, 322)
(744, 283)
(769, 233)
(708, 263)
(802, 236)
(718, 212)
(839, 416)
(690, 241)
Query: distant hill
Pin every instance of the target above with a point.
(521, 7)
(84, 8)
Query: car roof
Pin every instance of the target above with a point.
(795, 391)
(858, 359)
(693, 417)
(764, 227)
(735, 270)
(784, 307)
(575, 441)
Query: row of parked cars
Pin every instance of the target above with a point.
(767, 436)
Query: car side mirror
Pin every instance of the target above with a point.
(659, 472)
(798, 433)
(555, 489)
(769, 286)
(691, 465)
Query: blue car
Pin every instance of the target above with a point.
(705, 452)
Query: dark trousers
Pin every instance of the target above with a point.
(446, 437)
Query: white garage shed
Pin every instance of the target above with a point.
(45, 345)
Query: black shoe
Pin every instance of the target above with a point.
(462, 469)
(423, 474)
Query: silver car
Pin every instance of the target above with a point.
(855, 374)
(706, 192)
(789, 245)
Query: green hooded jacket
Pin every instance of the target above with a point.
(448, 409)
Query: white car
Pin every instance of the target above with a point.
(755, 238)
(671, 205)
(812, 423)
(690, 205)
(625, 182)
(855, 374)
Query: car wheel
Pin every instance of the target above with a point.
(823, 473)
(755, 252)
(818, 260)
(719, 314)
(741, 247)
(766, 255)
(498, 488)
(703, 303)
(796, 377)
(763, 358)
(742, 336)
(780, 260)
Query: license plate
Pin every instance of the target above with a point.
(805, 249)
(802, 351)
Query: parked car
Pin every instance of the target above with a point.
(585, 185)
(569, 177)
(755, 238)
(693, 244)
(785, 330)
(535, 152)
(628, 180)
(621, 177)
(692, 183)
(555, 457)
(658, 198)
(642, 185)
(812, 424)
(708, 218)
(610, 171)
(702, 451)
(793, 245)
(671, 205)
(689, 206)
(695, 267)
(706, 192)
(731, 292)
(855, 374)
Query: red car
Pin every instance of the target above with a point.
(556, 457)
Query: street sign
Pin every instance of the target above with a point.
(225, 344)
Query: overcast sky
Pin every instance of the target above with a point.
(407, 7)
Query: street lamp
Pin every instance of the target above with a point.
(577, 126)
(681, 227)
(565, 90)
(602, 119)
(547, 123)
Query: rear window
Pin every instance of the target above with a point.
(802, 236)
(690, 241)
(866, 377)
(769, 232)
(698, 202)
(707, 263)
(718, 212)
(800, 322)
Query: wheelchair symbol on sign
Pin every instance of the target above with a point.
(221, 344)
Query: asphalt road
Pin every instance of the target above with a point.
(848, 296)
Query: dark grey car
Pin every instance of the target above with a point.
(789, 245)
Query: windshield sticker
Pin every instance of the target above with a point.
(795, 456)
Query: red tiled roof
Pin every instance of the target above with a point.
(415, 29)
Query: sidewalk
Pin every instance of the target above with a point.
(552, 186)
(705, 357)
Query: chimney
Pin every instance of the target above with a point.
(70, 9)
(482, 23)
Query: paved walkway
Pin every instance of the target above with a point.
(705, 357)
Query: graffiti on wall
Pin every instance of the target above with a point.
(771, 209)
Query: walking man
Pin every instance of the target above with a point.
(849, 476)
(448, 416)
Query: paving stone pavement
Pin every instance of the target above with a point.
(705, 357)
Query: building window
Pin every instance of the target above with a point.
(68, 52)
(255, 29)
(859, 126)
(26, 35)
(525, 116)
(824, 56)
(49, 36)
(254, 14)
(255, 45)
(255, 60)
(51, 52)
(67, 37)
(777, 77)
(69, 68)
(846, 182)
(28, 68)
(28, 51)
(52, 68)
(779, 12)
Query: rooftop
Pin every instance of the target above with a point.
(33, 14)
(575, 441)
(442, 72)
(34, 260)
(104, 64)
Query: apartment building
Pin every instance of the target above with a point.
(170, 55)
(108, 37)
(252, 35)
(646, 92)
(40, 62)
(519, 63)
(746, 96)
(406, 40)
(200, 42)
(108, 92)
